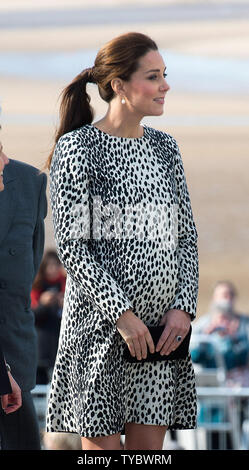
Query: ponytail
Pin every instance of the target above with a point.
(118, 58)
(75, 108)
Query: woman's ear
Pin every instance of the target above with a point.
(117, 86)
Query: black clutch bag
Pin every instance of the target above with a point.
(180, 352)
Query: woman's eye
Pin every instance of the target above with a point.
(154, 77)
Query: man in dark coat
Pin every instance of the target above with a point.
(10, 391)
(23, 210)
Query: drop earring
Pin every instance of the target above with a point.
(123, 101)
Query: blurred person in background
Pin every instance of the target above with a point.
(221, 341)
(47, 302)
(23, 209)
(230, 330)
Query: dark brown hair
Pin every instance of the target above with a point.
(41, 275)
(118, 58)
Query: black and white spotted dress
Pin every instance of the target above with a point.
(125, 234)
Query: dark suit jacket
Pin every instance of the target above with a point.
(5, 386)
(23, 207)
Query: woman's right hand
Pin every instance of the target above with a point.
(136, 335)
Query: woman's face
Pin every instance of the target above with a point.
(145, 91)
(3, 161)
(53, 269)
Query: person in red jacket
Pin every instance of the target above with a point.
(46, 302)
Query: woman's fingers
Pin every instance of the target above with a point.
(177, 323)
(138, 338)
(143, 344)
(138, 346)
(170, 343)
(150, 342)
(135, 334)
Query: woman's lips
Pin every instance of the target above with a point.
(159, 100)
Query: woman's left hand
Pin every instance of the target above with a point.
(177, 323)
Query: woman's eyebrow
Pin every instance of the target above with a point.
(155, 70)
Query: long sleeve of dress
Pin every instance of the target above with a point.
(71, 218)
(188, 265)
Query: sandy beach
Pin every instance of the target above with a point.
(214, 151)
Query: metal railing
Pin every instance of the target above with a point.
(224, 411)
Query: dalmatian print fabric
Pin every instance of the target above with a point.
(125, 233)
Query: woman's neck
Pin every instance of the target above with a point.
(119, 122)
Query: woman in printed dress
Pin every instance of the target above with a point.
(125, 234)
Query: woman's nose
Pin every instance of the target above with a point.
(165, 86)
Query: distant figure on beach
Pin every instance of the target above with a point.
(47, 297)
(23, 209)
(125, 233)
(230, 330)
